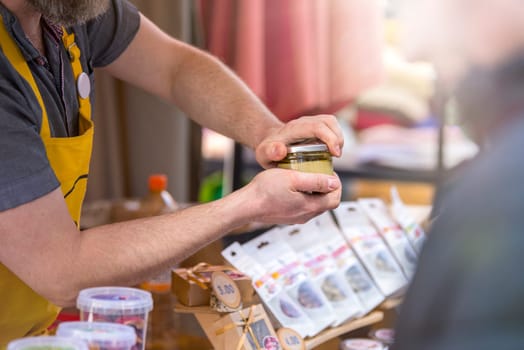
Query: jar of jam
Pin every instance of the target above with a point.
(310, 156)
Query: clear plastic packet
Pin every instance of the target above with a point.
(413, 230)
(282, 263)
(286, 311)
(364, 238)
(347, 262)
(322, 269)
(392, 233)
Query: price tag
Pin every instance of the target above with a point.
(225, 289)
(290, 340)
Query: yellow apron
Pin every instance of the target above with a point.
(22, 311)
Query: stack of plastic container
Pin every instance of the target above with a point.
(46, 343)
(127, 306)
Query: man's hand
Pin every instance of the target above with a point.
(323, 127)
(281, 196)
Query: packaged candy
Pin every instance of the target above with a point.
(413, 230)
(392, 233)
(128, 306)
(322, 269)
(47, 343)
(100, 335)
(286, 311)
(370, 248)
(347, 263)
(281, 262)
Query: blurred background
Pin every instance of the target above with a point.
(301, 57)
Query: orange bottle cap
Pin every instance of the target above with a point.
(157, 182)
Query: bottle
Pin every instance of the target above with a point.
(158, 201)
(161, 321)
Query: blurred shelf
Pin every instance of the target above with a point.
(361, 171)
(377, 172)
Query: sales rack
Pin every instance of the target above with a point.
(206, 316)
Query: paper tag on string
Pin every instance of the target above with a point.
(225, 289)
(290, 340)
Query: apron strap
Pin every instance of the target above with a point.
(14, 55)
(82, 80)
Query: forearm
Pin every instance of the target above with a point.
(58, 260)
(216, 98)
(140, 248)
(198, 83)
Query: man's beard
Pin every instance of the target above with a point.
(69, 12)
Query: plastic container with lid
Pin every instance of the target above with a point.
(100, 335)
(128, 306)
(310, 156)
(47, 343)
(361, 344)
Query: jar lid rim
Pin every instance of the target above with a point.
(312, 147)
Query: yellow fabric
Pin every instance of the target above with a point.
(23, 312)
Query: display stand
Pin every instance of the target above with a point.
(206, 317)
(328, 334)
(390, 304)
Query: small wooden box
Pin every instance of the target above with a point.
(192, 286)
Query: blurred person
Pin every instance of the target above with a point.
(468, 291)
(49, 49)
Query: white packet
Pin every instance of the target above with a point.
(370, 248)
(305, 241)
(281, 262)
(286, 311)
(413, 230)
(392, 233)
(347, 262)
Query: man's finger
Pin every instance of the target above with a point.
(324, 128)
(319, 183)
(271, 151)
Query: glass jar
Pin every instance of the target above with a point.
(309, 157)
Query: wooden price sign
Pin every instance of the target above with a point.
(290, 340)
(225, 289)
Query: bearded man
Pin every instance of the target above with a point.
(49, 50)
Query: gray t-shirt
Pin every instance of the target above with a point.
(25, 173)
